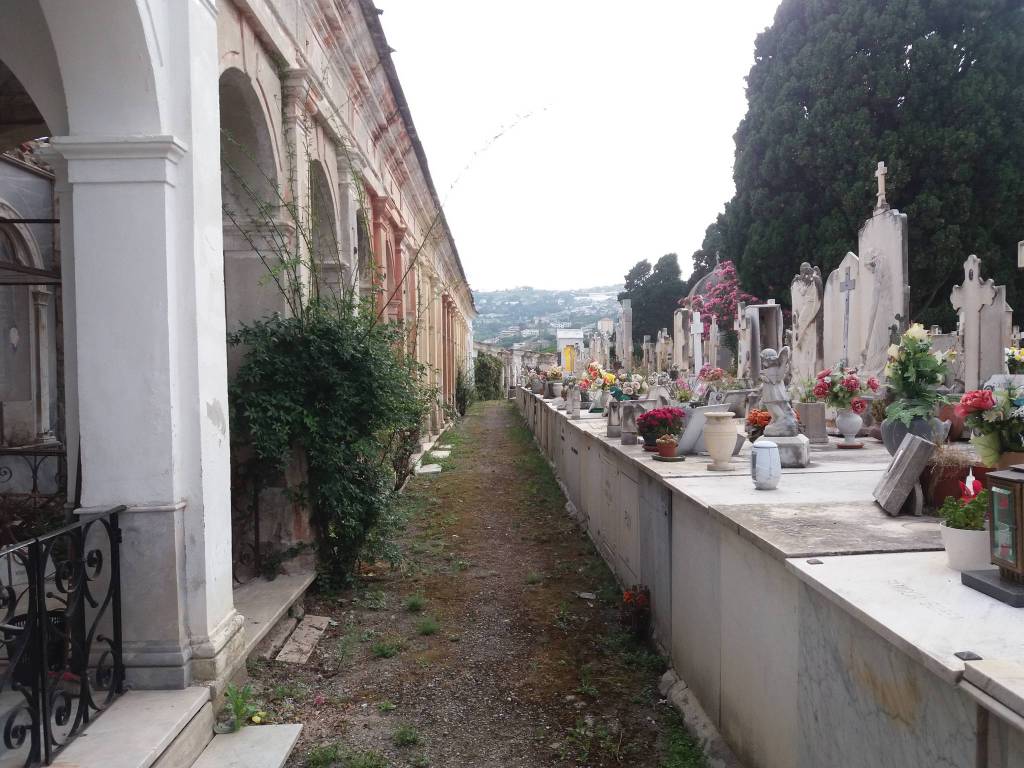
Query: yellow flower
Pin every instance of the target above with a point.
(916, 332)
(257, 719)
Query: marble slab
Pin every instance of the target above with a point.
(1002, 680)
(919, 605)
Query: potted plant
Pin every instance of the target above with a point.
(681, 392)
(996, 420)
(667, 445)
(963, 531)
(844, 390)
(944, 475)
(657, 423)
(912, 375)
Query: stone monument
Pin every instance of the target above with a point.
(784, 429)
(680, 338)
(624, 345)
(762, 329)
(742, 342)
(696, 344)
(713, 341)
(969, 299)
(808, 291)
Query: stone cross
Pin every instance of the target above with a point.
(679, 356)
(696, 335)
(881, 203)
(846, 287)
(968, 300)
(713, 341)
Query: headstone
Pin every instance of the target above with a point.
(901, 478)
(762, 330)
(680, 334)
(647, 353)
(812, 422)
(696, 344)
(713, 341)
(625, 343)
(842, 311)
(969, 299)
(808, 324)
(629, 410)
(743, 342)
(996, 335)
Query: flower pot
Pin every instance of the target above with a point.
(556, 389)
(668, 450)
(650, 443)
(1008, 459)
(720, 439)
(965, 550)
(537, 387)
(894, 431)
(849, 424)
(956, 422)
(939, 483)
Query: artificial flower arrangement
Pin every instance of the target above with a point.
(630, 387)
(555, 374)
(599, 378)
(996, 420)
(1015, 361)
(844, 389)
(757, 420)
(912, 374)
(711, 373)
(659, 422)
(681, 391)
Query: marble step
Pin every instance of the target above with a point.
(136, 730)
(257, 746)
(304, 639)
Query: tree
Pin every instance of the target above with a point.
(654, 294)
(935, 88)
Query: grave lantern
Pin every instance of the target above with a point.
(1006, 529)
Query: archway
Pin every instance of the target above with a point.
(333, 271)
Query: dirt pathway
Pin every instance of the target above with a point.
(478, 650)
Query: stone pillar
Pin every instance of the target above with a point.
(41, 350)
(626, 343)
(152, 377)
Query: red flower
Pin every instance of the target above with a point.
(820, 389)
(627, 597)
(873, 384)
(823, 374)
(851, 383)
(858, 405)
(968, 494)
(975, 400)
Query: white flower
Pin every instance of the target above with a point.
(893, 351)
(917, 332)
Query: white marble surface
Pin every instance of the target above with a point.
(919, 605)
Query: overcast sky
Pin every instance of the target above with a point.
(614, 124)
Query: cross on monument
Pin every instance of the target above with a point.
(846, 287)
(881, 204)
(697, 340)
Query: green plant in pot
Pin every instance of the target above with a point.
(913, 374)
(963, 528)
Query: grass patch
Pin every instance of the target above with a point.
(534, 577)
(375, 600)
(586, 686)
(406, 736)
(681, 750)
(428, 626)
(386, 706)
(336, 756)
(415, 603)
(385, 649)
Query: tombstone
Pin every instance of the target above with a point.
(625, 343)
(946, 342)
(812, 422)
(969, 299)
(742, 342)
(808, 324)
(680, 333)
(762, 329)
(996, 335)
(663, 350)
(713, 341)
(696, 344)
(841, 322)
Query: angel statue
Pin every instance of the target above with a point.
(775, 393)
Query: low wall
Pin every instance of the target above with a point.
(814, 629)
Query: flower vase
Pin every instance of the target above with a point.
(965, 550)
(650, 443)
(597, 401)
(720, 439)
(849, 424)
(556, 389)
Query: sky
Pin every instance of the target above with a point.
(568, 139)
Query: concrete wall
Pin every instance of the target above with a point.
(789, 677)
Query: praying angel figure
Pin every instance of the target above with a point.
(775, 395)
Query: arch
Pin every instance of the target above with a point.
(23, 242)
(249, 170)
(333, 265)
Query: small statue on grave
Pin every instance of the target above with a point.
(775, 396)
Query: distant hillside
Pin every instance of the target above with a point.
(530, 316)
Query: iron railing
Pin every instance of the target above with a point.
(61, 659)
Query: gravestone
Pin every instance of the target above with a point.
(713, 341)
(680, 336)
(762, 330)
(625, 342)
(696, 344)
(996, 335)
(647, 361)
(969, 299)
(807, 291)
(946, 342)
(841, 321)
(812, 422)
(663, 351)
(742, 342)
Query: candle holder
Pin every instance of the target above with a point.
(1006, 539)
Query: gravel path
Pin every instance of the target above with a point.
(478, 651)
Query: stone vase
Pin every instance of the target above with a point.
(556, 389)
(765, 465)
(720, 439)
(614, 415)
(965, 550)
(848, 423)
(894, 431)
(537, 387)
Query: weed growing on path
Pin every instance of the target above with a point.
(428, 626)
(534, 577)
(406, 736)
(386, 706)
(386, 649)
(415, 603)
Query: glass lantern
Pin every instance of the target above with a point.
(1006, 489)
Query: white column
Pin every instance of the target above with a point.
(41, 350)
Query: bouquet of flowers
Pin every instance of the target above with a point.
(996, 420)
(757, 420)
(711, 373)
(555, 374)
(844, 389)
(659, 422)
(912, 374)
(1015, 361)
(681, 391)
(630, 387)
(599, 378)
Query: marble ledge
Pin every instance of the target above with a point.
(917, 603)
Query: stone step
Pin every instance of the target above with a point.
(136, 730)
(264, 603)
(272, 644)
(257, 746)
(304, 639)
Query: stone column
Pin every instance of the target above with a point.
(41, 350)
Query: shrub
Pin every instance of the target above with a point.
(487, 371)
(463, 393)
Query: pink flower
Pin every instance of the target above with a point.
(858, 405)
(873, 384)
(820, 389)
(823, 374)
(851, 383)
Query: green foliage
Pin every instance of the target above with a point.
(386, 649)
(936, 89)
(487, 375)
(333, 386)
(415, 603)
(912, 375)
(681, 750)
(240, 705)
(967, 517)
(464, 393)
(406, 736)
(336, 756)
(654, 293)
(428, 626)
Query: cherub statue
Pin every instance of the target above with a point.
(775, 393)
